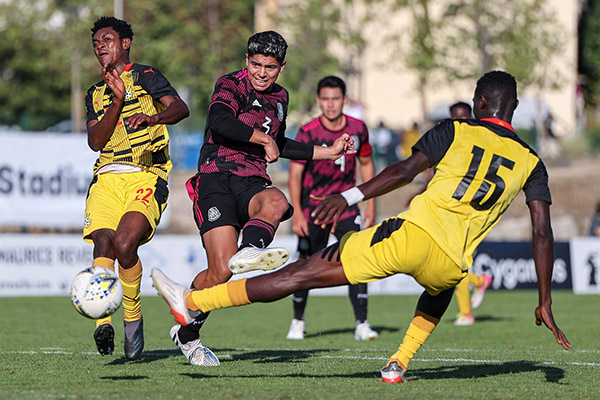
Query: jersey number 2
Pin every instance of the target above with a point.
(490, 176)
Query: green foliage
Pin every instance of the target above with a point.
(519, 37)
(503, 356)
(589, 52)
(593, 138)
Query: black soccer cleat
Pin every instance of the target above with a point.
(134, 338)
(104, 336)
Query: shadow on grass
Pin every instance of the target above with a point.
(471, 371)
(149, 356)
(350, 330)
(124, 378)
(474, 371)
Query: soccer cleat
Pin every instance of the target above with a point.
(104, 336)
(253, 259)
(174, 294)
(296, 331)
(464, 320)
(392, 373)
(195, 351)
(134, 338)
(479, 291)
(364, 331)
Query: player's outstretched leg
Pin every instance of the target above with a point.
(194, 350)
(254, 259)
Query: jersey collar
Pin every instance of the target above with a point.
(500, 122)
(128, 67)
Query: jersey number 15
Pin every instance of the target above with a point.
(490, 176)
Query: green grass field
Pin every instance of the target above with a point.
(47, 352)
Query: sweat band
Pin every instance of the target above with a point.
(353, 196)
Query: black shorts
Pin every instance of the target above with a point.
(222, 199)
(317, 238)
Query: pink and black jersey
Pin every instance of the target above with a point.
(265, 111)
(327, 176)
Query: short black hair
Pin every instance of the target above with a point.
(268, 43)
(331, 81)
(461, 104)
(120, 26)
(497, 87)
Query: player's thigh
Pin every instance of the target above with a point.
(104, 205)
(220, 245)
(145, 194)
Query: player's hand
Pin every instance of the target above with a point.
(113, 80)
(299, 224)
(329, 210)
(368, 217)
(342, 146)
(271, 150)
(141, 119)
(543, 313)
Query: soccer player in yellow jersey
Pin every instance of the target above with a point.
(479, 168)
(126, 116)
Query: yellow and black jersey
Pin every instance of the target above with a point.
(480, 166)
(146, 147)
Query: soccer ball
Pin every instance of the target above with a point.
(96, 292)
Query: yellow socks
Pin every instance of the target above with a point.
(110, 264)
(225, 295)
(463, 296)
(419, 330)
(131, 279)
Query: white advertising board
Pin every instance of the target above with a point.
(585, 265)
(44, 179)
(44, 265)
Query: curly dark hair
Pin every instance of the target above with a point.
(120, 26)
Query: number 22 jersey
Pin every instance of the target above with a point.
(480, 167)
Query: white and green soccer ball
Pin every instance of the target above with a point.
(96, 292)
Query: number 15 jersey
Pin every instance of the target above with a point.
(480, 167)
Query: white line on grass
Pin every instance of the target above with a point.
(257, 355)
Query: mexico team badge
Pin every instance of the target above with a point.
(213, 214)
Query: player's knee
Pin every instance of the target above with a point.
(125, 248)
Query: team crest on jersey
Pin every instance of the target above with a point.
(213, 214)
(280, 112)
(87, 221)
(128, 94)
(356, 140)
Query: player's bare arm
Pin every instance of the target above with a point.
(543, 256)
(99, 132)
(340, 147)
(333, 205)
(175, 110)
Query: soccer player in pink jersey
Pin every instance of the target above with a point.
(330, 176)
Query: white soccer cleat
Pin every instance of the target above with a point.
(393, 373)
(364, 331)
(174, 295)
(479, 291)
(253, 259)
(464, 320)
(297, 328)
(195, 351)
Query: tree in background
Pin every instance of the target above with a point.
(589, 69)
(520, 37)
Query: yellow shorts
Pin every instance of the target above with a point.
(394, 247)
(112, 195)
